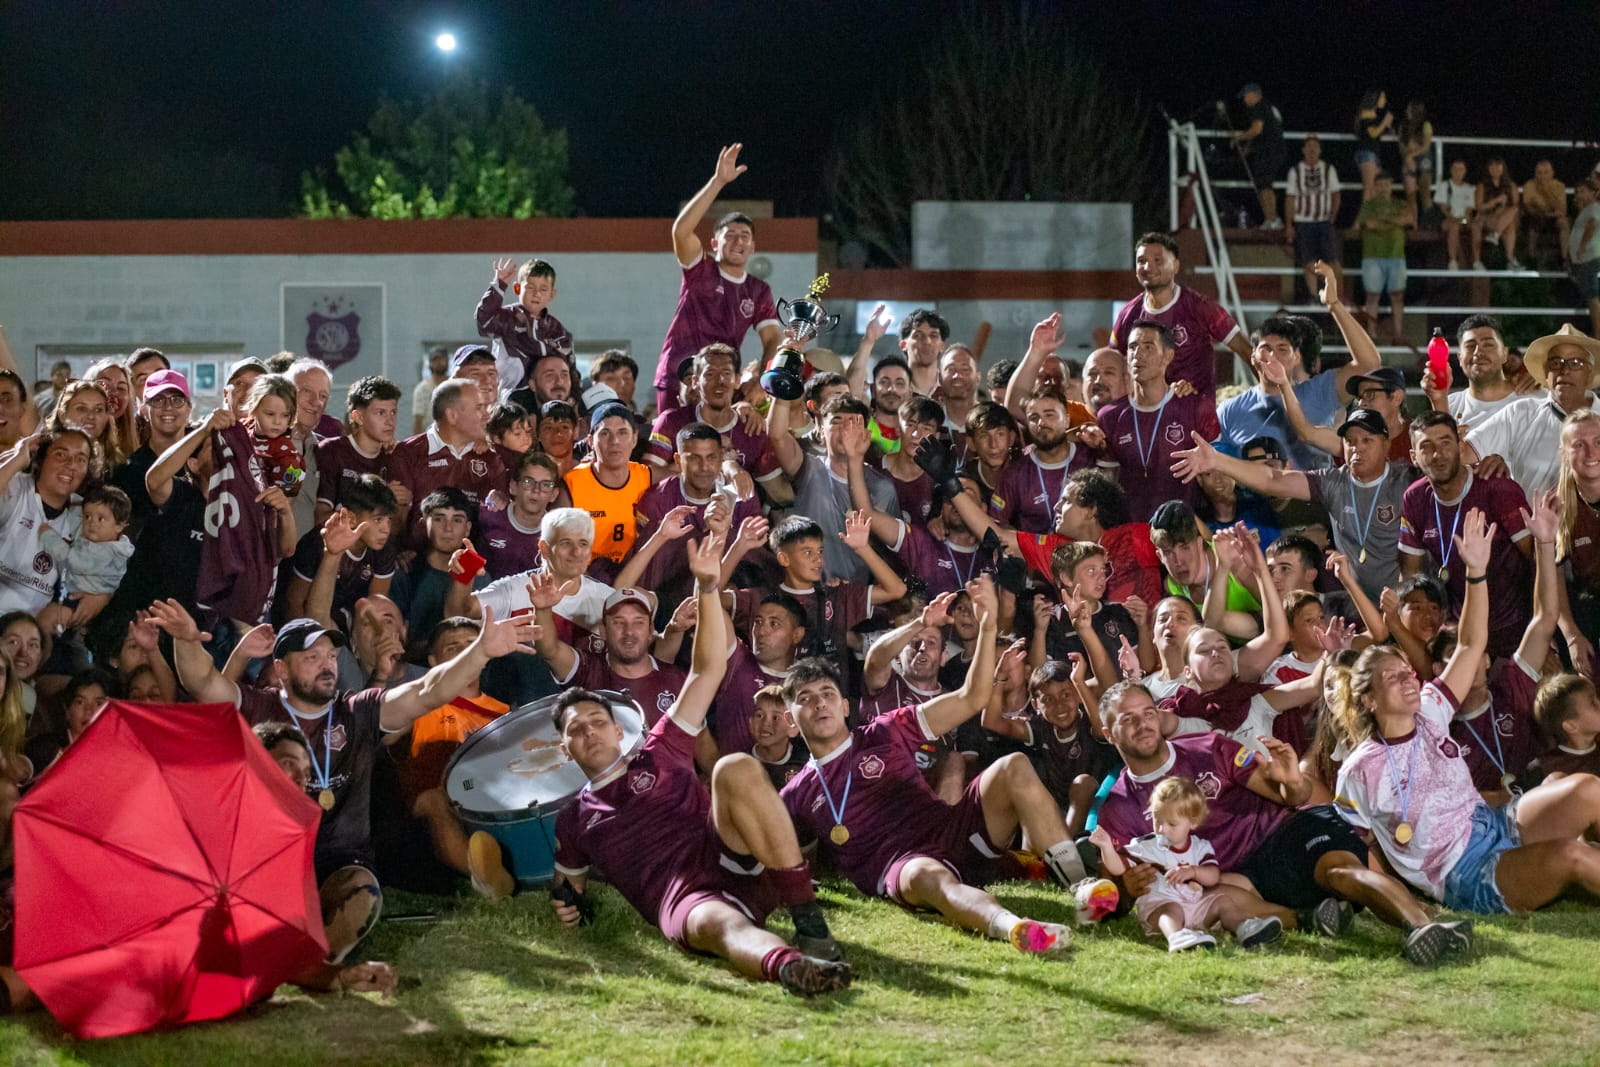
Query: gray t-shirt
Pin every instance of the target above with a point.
(824, 496)
(1365, 516)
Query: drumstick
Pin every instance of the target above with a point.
(980, 340)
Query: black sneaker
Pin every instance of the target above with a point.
(807, 977)
(821, 948)
(1330, 918)
(1459, 942)
(1426, 943)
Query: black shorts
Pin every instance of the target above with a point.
(1266, 164)
(1284, 866)
(1314, 241)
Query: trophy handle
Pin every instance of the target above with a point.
(833, 321)
(784, 314)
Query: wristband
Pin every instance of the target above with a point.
(1480, 578)
(471, 564)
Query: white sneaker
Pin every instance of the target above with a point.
(1514, 264)
(1493, 237)
(1187, 940)
(1477, 264)
(1272, 224)
(1454, 265)
(1263, 930)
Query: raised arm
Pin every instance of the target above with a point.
(1227, 552)
(404, 704)
(1044, 340)
(945, 712)
(1194, 462)
(1377, 631)
(196, 670)
(855, 372)
(674, 524)
(314, 599)
(938, 459)
(1472, 634)
(1323, 437)
(708, 660)
(544, 594)
(857, 536)
(15, 460)
(791, 457)
(1364, 356)
(1543, 521)
(1259, 652)
(1012, 666)
(879, 664)
(685, 242)
(158, 479)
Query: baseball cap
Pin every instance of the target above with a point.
(597, 394)
(163, 380)
(558, 409)
(1387, 378)
(297, 635)
(1268, 445)
(641, 597)
(239, 366)
(609, 409)
(1368, 420)
(467, 353)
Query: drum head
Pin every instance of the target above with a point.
(514, 767)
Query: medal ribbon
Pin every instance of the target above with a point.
(971, 566)
(1372, 508)
(1155, 431)
(1402, 789)
(1497, 757)
(837, 810)
(325, 771)
(1447, 544)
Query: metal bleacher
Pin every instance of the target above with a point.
(1253, 269)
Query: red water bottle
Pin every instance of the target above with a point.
(1439, 360)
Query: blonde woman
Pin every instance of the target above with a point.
(14, 766)
(1578, 539)
(114, 380)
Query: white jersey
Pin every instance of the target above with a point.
(1288, 668)
(1430, 769)
(27, 572)
(1156, 849)
(509, 596)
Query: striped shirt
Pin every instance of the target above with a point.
(1313, 187)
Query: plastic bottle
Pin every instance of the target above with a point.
(1439, 360)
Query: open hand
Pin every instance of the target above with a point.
(1192, 463)
(728, 165)
(505, 270)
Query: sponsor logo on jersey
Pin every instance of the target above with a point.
(438, 463)
(1244, 757)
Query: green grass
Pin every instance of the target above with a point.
(507, 985)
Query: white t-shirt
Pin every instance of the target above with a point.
(1585, 251)
(1457, 200)
(27, 572)
(509, 596)
(1288, 668)
(1156, 849)
(422, 400)
(1431, 770)
(1526, 433)
(1469, 409)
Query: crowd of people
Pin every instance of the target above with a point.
(1213, 657)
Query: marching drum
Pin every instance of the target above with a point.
(510, 779)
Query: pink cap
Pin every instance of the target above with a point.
(162, 380)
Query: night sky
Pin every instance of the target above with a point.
(172, 109)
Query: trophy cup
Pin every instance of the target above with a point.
(785, 376)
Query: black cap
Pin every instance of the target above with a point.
(1269, 445)
(1368, 420)
(297, 635)
(1387, 378)
(558, 409)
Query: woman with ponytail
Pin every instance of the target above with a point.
(1407, 783)
(1578, 540)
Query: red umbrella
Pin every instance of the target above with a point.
(164, 872)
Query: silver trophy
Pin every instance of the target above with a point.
(785, 376)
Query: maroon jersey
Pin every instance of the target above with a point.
(1239, 820)
(915, 496)
(668, 571)
(654, 692)
(752, 450)
(1061, 757)
(1030, 492)
(1140, 443)
(527, 337)
(828, 621)
(736, 699)
(1563, 760)
(897, 692)
(1197, 324)
(343, 755)
(1583, 557)
(507, 546)
(1498, 737)
(712, 307)
(642, 823)
(424, 463)
(890, 811)
(354, 577)
(942, 566)
(1510, 572)
(340, 462)
(239, 556)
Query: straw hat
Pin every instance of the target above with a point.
(1537, 352)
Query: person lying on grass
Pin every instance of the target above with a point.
(1407, 782)
(863, 796)
(705, 867)
(1192, 894)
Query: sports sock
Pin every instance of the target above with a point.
(809, 920)
(793, 884)
(1001, 925)
(1064, 862)
(773, 961)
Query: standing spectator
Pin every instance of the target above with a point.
(17, 417)
(1312, 204)
(1383, 222)
(1456, 198)
(45, 399)
(1415, 135)
(39, 480)
(167, 407)
(372, 411)
(1544, 202)
(1197, 323)
(1496, 209)
(609, 486)
(1526, 433)
(1261, 143)
(1373, 120)
(1583, 249)
(422, 395)
(717, 299)
(616, 368)
(1482, 352)
(451, 452)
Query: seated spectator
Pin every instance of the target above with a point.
(1457, 200)
(1583, 250)
(1496, 209)
(1544, 204)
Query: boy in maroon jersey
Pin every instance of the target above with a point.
(526, 329)
(372, 410)
(705, 867)
(891, 835)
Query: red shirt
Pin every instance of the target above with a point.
(1135, 567)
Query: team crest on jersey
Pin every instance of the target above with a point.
(1386, 513)
(1174, 434)
(1075, 750)
(478, 467)
(641, 781)
(597, 644)
(664, 700)
(1449, 749)
(870, 767)
(42, 562)
(1210, 785)
(1180, 334)
(747, 307)
(336, 739)
(1503, 724)
(827, 610)
(1113, 628)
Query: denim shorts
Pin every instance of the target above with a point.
(1383, 275)
(1470, 885)
(1365, 155)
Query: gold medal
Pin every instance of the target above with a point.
(325, 798)
(1507, 780)
(1362, 558)
(1402, 834)
(838, 835)
(1444, 574)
